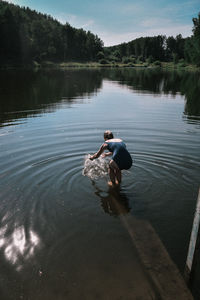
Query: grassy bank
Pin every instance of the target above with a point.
(166, 65)
(66, 65)
(156, 64)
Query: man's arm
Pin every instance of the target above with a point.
(106, 154)
(99, 152)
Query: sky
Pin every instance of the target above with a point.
(118, 21)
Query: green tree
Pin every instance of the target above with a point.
(192, 44)
(175, 58)
(196, 40)
(36, 36)
(100, 55)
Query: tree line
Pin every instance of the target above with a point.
(27, 35)
(158, 48)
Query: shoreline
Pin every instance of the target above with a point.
(67, 65)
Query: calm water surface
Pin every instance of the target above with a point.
(60, 233)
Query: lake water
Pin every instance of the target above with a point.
(60, 232)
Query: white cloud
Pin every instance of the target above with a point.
(63, 18)
(181, 7)
(18, 2)
(110, 38)
(155, 22)
(185, 30)
(87, 24)
(131, 8)
(75, 21)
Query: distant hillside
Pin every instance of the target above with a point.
(26, 36)
(158, 48)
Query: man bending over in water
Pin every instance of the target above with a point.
(121, 158)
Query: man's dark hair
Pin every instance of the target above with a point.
(108, 135)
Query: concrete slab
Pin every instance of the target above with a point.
(163, 275)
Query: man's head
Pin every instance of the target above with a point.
(108, 135)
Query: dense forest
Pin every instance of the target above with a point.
(27, 36)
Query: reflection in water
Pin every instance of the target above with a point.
(18, 246)
(160, 81)
(46, 201)
(115, 203)
(26, 93)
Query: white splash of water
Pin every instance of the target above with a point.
(96, 168)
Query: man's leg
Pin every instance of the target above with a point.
(119, 176)
(114, 172)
